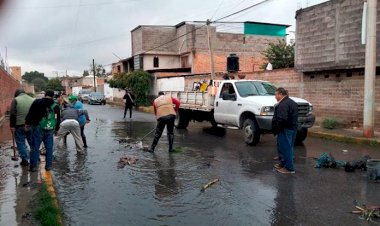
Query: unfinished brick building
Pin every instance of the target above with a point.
(331, 57)
(189, 52)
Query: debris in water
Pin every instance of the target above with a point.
(126, 160)
(209, 184)
(125, 140)
(367, 212)
(344, 151)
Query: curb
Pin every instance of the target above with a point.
(47, 178)
(343, 138)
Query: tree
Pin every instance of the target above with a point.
(54, 84)
(99, 70)
(30, 76)
(85, 73)
(280, 55)
(139, 82)
(39, 84)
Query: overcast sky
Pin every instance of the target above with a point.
(53, 36)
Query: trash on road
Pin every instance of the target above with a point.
(126, 160)
(126, 140)
(209, 184)
(326, 160)
(373, 170)
(367, 212)
(357, 164)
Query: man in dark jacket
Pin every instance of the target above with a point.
(284, 125)
(43, 119)
(19, 108)
(129, 102)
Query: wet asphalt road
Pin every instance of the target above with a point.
(164, 189)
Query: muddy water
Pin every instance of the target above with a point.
(164, 189)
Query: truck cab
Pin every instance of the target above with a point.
(249, 105)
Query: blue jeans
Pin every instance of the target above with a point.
(285, 143)
(20, 136)
(38, 136)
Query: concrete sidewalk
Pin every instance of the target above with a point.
(344, 135)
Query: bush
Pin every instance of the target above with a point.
(330, 123)
(139, 82)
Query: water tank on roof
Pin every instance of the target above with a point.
(232, 63)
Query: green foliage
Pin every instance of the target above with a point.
(85, 73)
(47, 212)
(280, 55)
(30, 76)
(99, 70)
(39, 84)
(139, 82)
(54, 84)
(330, 123)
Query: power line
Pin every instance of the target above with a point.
(242, 10)
(197, 28)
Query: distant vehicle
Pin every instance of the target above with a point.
(83, 95)
(96, 98)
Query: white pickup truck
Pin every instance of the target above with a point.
(242, 104)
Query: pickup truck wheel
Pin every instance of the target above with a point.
(181, 121)
(301, 136)
(251, 132)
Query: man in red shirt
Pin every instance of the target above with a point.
(165, 113)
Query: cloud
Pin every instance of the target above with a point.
(54, 35)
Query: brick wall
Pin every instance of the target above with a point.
(328, 36)
(339, 95)
(8, 86)
(248, 62)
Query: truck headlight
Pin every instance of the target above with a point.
(310, 108)
(268, 110)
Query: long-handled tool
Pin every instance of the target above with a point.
(14, 157)
(139, 142)
(147, 134)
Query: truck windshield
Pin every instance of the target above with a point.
(255, 88)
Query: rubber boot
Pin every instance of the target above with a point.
(171, 141)
(155, 141)
(84, 142)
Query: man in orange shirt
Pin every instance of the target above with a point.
(165, 108)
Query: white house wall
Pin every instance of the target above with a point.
(170, 84)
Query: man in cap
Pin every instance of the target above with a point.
(19, 108)
(83, 118)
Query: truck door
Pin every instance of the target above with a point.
(226, 109)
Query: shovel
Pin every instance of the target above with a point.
(14, 157)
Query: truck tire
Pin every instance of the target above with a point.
(251, 132)
(182, 120)
(301, 136)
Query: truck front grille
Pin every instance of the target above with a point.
(303, 109)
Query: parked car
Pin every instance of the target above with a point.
(96, 98)
(83, 95)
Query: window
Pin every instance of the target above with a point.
(118, 69)
(156, 62)
(228, 88)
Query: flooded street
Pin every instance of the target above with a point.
(165, 189)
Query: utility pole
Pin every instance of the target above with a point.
(93, 68)
(208, 22)
(370, 71)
